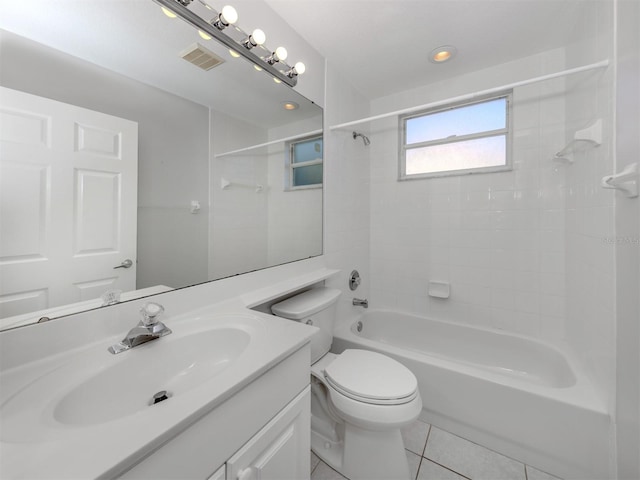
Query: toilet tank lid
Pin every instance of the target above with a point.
(307, 303)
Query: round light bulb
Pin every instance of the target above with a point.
(258, 37)
(229, 14)
(168, 12)
(257, 68)
(233, 53)
(442, 56)
(276, 80)
(204, 35)
(300, 68)
(281, 53)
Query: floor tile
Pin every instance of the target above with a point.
(325, 472)
(414, 464)
(470, 459)
(533, 474)
(313, 463)
(433, 471)
(415, 436)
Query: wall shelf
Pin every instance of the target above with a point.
(626, 181)
(590, 136)
(226, 184)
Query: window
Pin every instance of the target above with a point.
(469, 138)
(305, 163)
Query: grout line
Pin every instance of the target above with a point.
(424, 448)
(314, 468)
(419, 465)
(447, 468)
(341, 475)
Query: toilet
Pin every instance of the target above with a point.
(360, 399)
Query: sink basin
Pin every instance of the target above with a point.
(127, 387)
(91, 387)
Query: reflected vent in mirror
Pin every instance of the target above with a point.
(201, 57)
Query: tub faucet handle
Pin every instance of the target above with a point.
(360, 302)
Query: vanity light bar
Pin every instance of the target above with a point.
(179, 7)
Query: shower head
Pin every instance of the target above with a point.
(365, 139)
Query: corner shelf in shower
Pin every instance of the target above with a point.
(590, 136)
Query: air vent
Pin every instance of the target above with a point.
(201, 57)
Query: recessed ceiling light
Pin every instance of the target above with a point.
(290, 105)
(442, 54)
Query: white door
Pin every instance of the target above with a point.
(68, 196)
(280, 451)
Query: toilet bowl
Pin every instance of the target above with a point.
(361, 399)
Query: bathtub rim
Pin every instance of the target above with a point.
(582, 394)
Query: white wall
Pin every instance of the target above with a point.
(238, 221)
(346, 191)
(498, 238)
(627, 227)
(590, 260)
(295, 216)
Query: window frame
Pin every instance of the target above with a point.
(507, 131)
(291, 165)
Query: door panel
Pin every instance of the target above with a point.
(68, 211)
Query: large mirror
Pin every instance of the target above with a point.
(175, 174)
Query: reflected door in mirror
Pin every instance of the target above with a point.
(68, 203)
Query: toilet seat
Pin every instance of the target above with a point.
(371, 377)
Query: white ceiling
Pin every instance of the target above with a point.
(383, 45)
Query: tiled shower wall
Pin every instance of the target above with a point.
(529, 251)
(590, 231)
(498, 238)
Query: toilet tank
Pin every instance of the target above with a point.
(316, 307)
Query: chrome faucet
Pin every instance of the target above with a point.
(149, 328)
(361, 302)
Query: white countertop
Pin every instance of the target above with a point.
(34, 445)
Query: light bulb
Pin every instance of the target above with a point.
(229, 15)
(276, 80)
(168, 12)
(258, 36)
(281, 53)
(257, 68)
(300, 68)
(442, 54)
(233, 53)
(204, 35)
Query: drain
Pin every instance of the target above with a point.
(161, 396)
(359, 327)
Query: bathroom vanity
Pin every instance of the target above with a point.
(237, 402)
(229, 443)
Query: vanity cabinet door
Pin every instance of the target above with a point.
(280, 451)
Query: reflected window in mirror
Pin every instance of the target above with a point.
(304, 163)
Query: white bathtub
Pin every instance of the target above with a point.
(513, 394)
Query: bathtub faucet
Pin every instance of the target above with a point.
(361, 302)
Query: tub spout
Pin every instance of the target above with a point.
(361, 302)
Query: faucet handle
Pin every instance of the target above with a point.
(149, 313)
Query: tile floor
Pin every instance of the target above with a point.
(434, 454)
